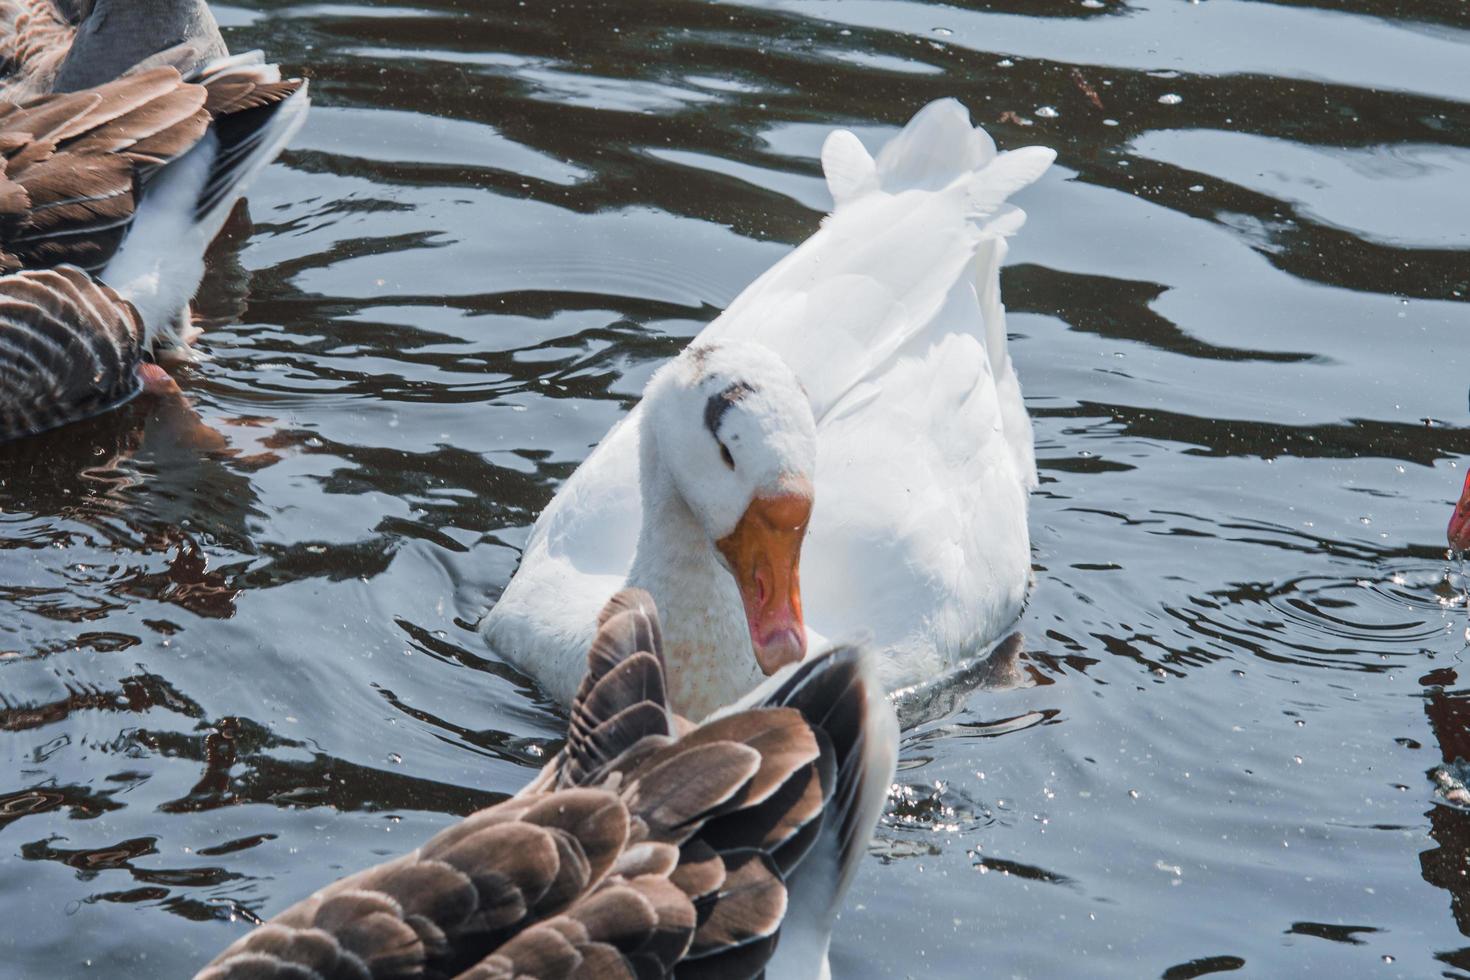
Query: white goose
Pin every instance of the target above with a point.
(862, 382)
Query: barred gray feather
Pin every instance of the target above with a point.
(69, 349)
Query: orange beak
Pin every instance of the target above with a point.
(1459, 530)
(764, 553)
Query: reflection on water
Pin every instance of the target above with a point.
(237, 646)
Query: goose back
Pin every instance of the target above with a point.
(49, 46)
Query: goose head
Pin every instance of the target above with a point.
(729, 430)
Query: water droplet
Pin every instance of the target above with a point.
(395, 758)
(1005, 63)
(1170, 98)
(1110, 122)
(1196, 188)
(1387, 958)
(1093, 4)
(944, 32)
(1047, 112)
(1297, 759)
(1133, 793)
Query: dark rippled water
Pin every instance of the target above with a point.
(227, 675)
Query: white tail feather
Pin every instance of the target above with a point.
(936, 146)
(850, 169)
(1005, 174)
(905, 230)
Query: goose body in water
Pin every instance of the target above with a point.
(647, 848)
(51, 46)
(120, 188)
(844, 448)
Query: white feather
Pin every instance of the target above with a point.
(160, 263)
(851, 172)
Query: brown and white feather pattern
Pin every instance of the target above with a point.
(69, 349)
(35, 37)
(641, 854)
(72, 166)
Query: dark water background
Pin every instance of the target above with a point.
(1239, 309)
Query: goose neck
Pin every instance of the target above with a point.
(674, 554)
(706, 638)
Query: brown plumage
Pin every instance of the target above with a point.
(636, 853)
(77, 170)
(76, 166)
(69, 349)
(51, 46)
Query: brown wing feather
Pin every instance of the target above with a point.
(151, 130)
(79, 209)
(622, 698)
(76, 164)
(628, 928)
(449, 904)
(69, 349)
(746, 908)
(778, 741)
(66, 116)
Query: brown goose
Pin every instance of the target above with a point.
(646, 848)
(66, 45)
(124, 184)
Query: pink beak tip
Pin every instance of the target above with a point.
(782, 647)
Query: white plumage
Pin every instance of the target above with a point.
(890, 318)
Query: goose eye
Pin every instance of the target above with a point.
(725, 455)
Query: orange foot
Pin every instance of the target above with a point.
(156, 381)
